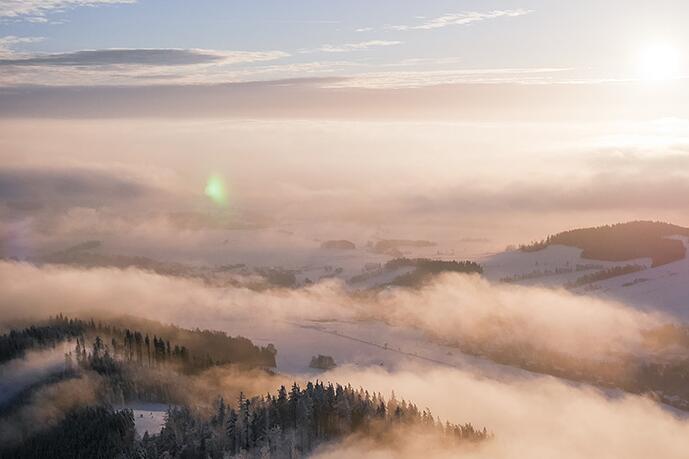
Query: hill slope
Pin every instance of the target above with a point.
(622, 242)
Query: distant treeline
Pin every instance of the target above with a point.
(160, 380)
(537, 273)
(622, 242)
(157, 344)
(16, 342)
(286, 425)
(604, 274)
(425, 268)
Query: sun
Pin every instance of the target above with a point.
(658, 61)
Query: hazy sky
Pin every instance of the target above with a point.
(505, 119)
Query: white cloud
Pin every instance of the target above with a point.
(36, 10)
(466, 17)
(347, 47)
(7, 44)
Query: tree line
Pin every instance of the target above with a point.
(198, 349)
(288, 424)
(621, 242)
(425, 268)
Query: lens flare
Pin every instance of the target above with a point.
(216, 190)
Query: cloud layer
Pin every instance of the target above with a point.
(426, 180)
(537, 417)
(455, 308)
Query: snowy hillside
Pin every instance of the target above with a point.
(665, 288)
(553, 266)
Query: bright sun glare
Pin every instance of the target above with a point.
(658, 61)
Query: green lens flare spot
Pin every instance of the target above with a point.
(216, 190)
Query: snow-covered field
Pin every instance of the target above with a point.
(148, 417)
(664, 289)
(553, 266)
(356, 343)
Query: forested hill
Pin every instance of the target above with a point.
(140, 340)
(622, 242)
(425, 269)
(289, 424)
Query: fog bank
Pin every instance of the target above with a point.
(539, 417)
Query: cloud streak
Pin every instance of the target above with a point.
(423, 78)
(463, 18)
(349, 47)
(137, 66)
(68, 92)
(142, 57)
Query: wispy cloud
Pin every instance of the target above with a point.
(421, 78)
(348, 47)
(425, 61)
(129, 66)
(463, 18)
(36, 10)
(144, 56)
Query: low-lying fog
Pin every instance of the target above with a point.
(530, 415)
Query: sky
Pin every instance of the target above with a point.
(383, 44)
(446, 120)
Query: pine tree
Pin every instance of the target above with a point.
(232, 431)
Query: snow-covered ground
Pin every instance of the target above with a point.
(361, 344)
(553, 266)
(148, 417)
(357, 343)
(664, 289)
